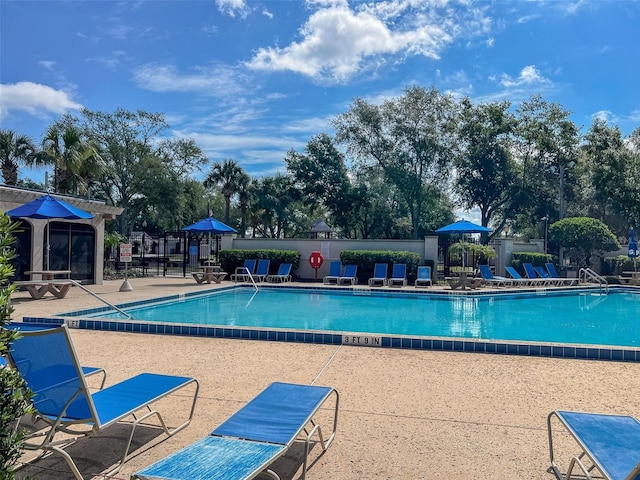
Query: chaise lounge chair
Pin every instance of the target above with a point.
(553, 273)
(349, 275)
(533, 275)
(519, 279)
(262, 270)
(49, 365)
(608, 443)
(490, 279)
(398, 275)
(283, 275)
(335, 269)
(379, 278)
(255, 436)
(244, 273)
(22, 326)
(424, 276)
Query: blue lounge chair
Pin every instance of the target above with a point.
(490, 279)
(48, 363)
(248, 442)
(335, 269)
(424, 276)
(517, 278)
(349, 275)
(379, 278)
(262, 270)
(611, 443)
(542, 273)
(398, 275)
(283, 275)
(244, 273)
(553, 273)
(86, 371)
(534, 277)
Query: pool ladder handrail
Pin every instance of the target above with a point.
(587, 275)
(252, 279)
(78, 284)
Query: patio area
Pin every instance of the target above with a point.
(403, 413)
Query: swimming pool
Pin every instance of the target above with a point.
(586, 318)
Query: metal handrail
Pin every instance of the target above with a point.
(252, 279)
(77, 284)
(587, 274)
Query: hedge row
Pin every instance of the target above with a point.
(231, 259)
(366, 259)
(536, 259)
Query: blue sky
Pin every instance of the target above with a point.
(249, 80)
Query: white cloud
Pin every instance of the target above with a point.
(35, 99)
(116, 59)
(267, 13)
(233, 7)
(216, 80)
(605, 115)
(338, 42)
(529, 75)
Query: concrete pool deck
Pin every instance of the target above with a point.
(404, 414)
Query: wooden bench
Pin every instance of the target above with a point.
(39, 288)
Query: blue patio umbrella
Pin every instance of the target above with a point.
(461, 227)
(209, 225)
(46, 208)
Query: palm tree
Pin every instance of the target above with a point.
(76, 159)
(244, 196)
(229, 176)
(15, 150)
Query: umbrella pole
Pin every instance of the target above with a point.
(48, 247)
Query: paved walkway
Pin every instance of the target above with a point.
(404, 414)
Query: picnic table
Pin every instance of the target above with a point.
(47, 282)
(209, 273)
(630, 278)
(463, 281)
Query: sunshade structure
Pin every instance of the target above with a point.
(47, 208)
(462, 227)
(633, 247)
(211, 226)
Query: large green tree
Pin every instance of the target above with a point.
(321, 176)
(486, 171)
(612, 168)
(125, 139)
(410, 138)
(273, 208)
(15, 150)
(546, 149)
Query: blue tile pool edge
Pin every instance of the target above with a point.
(585, 352)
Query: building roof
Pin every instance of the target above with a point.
(12, 197)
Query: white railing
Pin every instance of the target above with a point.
(587, 275)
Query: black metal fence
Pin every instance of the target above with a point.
(169, 254)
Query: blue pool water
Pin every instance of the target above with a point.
(586, 318)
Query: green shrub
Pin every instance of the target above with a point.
(536, 259)
(366, 259)
(231, 259)
(15, 401)
(616, 265)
